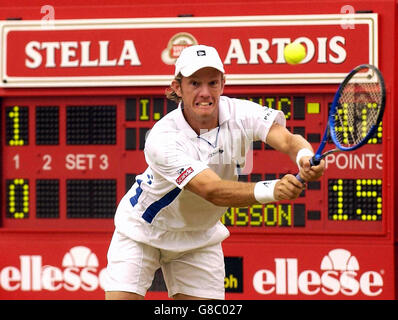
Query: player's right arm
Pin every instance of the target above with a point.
(211, 187)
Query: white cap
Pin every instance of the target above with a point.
(197, 57)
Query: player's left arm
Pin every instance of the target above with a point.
(283, 141)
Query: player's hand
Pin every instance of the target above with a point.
(288, 188)
(308, 172)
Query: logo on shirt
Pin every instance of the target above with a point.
(267, 113)
(215, 152)
(184, 175)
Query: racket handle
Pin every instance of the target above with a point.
(298, 177)
(313, 162)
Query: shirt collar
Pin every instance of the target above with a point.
(223, 111)
(183, 125)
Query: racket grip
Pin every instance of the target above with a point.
(313, 162)
(298, 177)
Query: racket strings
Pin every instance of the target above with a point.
(357, 111)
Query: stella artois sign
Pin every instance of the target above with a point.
(142, 52)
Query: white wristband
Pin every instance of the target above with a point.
(302, 153)
(264, 191)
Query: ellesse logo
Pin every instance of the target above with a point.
(80, 257)
(340, 273)
(184, 175)
(79, 271)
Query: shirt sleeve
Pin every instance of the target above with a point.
(257, 119)
(165, 153)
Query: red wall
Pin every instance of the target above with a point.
(66, 263)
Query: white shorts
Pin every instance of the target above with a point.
(132, 265)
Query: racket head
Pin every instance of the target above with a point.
(357, 108)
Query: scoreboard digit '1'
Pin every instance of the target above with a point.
(70, 159)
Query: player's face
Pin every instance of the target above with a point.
(200, 94)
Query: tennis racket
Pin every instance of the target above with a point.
(356, 112)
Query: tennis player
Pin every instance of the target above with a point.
(170, 218)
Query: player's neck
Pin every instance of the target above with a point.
(200, 123)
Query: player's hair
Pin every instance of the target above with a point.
(171, 94)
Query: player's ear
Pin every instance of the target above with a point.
(176, 86)
(222, 83)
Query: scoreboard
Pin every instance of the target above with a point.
(67, 159)
(80, 93)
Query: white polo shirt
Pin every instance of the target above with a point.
(157, 208)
